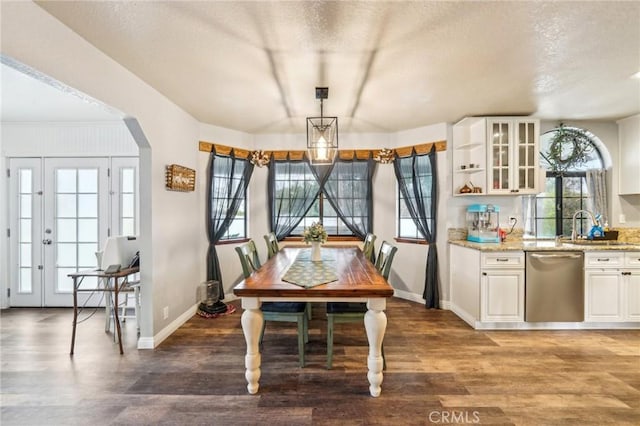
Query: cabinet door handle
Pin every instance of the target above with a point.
(626, 273)
(484, 273)
(603, 259)
(501, 259)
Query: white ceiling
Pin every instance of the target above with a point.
(253, 66)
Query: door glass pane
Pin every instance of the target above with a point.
(88, 230)
(66, 254)
(88, 205)
(26, 205)
(127, 205)
(87, 255)
(88, 180)
(25, 254)
(26, 186)
(25, 285)
(66, 205)
(128, 227)
(66, 230)
(66, 180)
(128, 180)
(64, 284)
(25, 230)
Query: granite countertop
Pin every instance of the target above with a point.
(548, 245)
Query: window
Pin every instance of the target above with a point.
(343, 206)
(227, 186)
(550, 213)
(406, 225)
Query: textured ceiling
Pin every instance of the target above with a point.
(253, 66)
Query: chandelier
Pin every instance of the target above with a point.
(322, 133)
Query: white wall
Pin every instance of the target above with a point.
(171, 224)
(100, 139)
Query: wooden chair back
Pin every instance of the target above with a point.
(385, 258)
(272, 244)
(248, 258)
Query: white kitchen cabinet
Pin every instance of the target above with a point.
(631, 284)
(502, 295)
(629, 155)
(633, 295)
(496, 155)
(603, 296)
(487, 286)
(513, 155)
(612, 286)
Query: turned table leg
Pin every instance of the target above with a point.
(252, 320)
(375, 323)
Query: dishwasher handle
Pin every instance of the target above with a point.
(556, 255)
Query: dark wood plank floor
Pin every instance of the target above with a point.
(439, 371)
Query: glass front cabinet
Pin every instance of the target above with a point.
(512, 155)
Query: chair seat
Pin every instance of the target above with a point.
(284, 307)
(346, 307)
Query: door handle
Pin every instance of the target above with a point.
(46, 241)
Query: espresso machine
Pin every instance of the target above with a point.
(483, 223)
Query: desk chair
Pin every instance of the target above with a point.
(276, 311)
(369, 249)
(272, 244)
(341, 312)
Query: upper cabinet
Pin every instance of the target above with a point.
(496, 155)
(629, 155)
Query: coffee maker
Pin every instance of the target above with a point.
(483, 224)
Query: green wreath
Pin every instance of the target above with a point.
(569, 147)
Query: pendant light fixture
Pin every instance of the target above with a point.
(322, 133)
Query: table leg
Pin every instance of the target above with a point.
(252, 320)
(116, 319)
(375, 323)
(75, 313)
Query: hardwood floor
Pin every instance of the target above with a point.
(439, 371)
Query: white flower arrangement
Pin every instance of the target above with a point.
(315, 233)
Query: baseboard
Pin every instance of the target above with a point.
(444, 304)
(152, 342)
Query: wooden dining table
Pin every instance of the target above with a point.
(356, 280)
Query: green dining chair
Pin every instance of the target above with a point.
(276, 311)
(342, 312)
(369, 249)
(272, 244)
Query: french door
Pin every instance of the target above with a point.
(60, 214)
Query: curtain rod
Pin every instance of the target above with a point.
(344, 154)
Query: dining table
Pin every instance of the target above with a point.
(343, 274)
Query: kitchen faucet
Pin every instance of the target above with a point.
(574, 233)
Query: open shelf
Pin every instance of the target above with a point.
(470, 171)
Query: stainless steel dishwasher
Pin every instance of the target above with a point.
(554, 286)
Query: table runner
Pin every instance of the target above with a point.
(306, 273)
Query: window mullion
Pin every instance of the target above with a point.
(559, 206)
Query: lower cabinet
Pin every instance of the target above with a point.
(487, 286)
(612, 294)
(603, 293)
(633, 295)
(502, 295)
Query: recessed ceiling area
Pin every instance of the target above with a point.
(389, 66)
